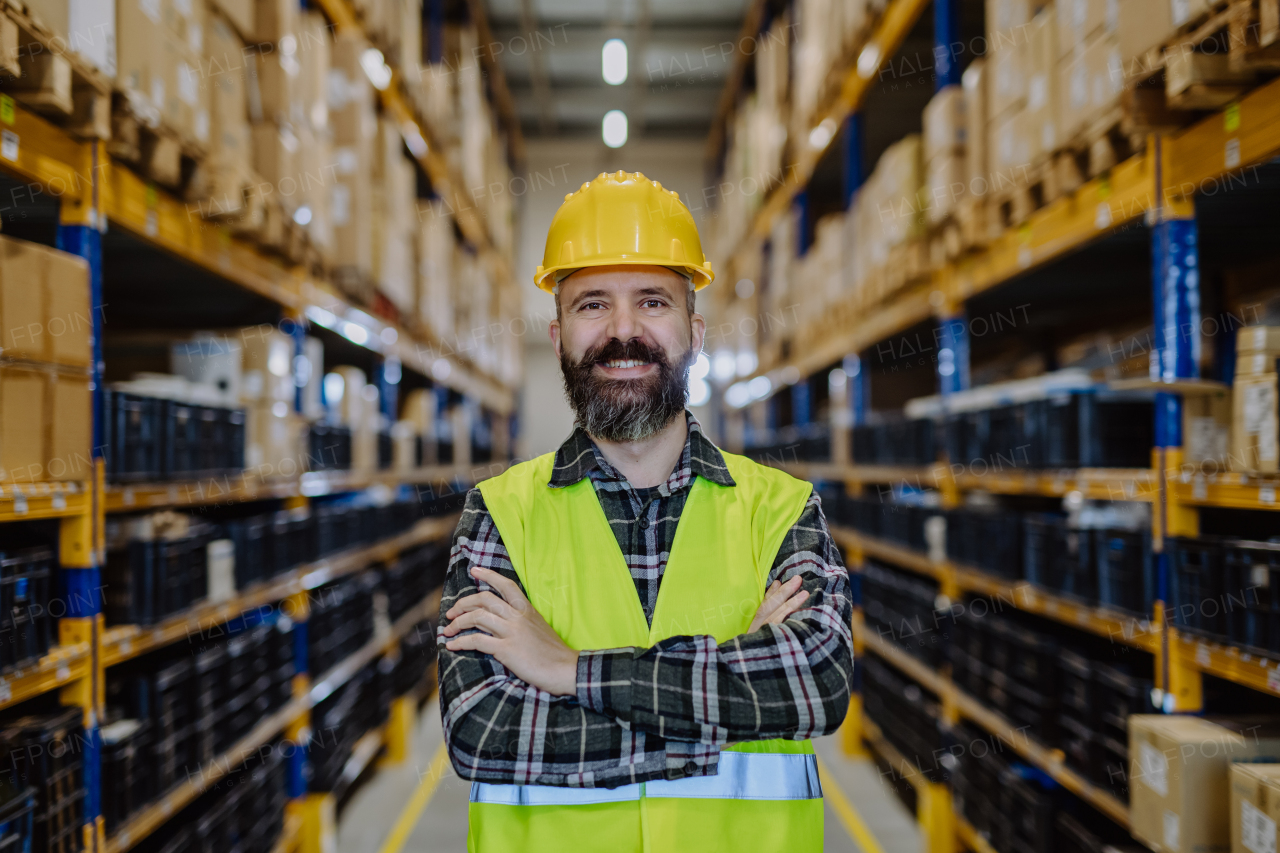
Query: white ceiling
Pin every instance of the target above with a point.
(677, 68)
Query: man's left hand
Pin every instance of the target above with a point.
(514, 633)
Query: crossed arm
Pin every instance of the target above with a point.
(520, 706)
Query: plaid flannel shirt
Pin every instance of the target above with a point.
(656, 713)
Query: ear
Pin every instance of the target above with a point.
(553, 329)
(698, 327)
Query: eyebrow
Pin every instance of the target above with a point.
(604, 294)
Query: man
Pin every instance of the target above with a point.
(639, 633)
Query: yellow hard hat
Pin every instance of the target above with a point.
(623, 218)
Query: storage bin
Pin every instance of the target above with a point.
(26, 624)
(1126, 570)
(1251, 594)
(132, 437)
(1196, 586)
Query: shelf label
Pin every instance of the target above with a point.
(1202, 655)
(129, 499)
(19, 503)
(1273, 679)
(153, 224)
(1257, 831)
(59, 502)
(1233, 153)
(63, 673)
(6, 692)
(1200, 488)
(1102, 219)
(1267, 494)
(9, 145)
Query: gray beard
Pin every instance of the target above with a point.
(626, 410)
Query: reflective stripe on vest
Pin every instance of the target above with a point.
(741, 776)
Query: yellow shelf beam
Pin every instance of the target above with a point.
(63, 665)
(1224, 661)
(1140, 632)
(971, 838)
(123, 642)
(1233, 491)
(28, 501)
(1051, 761)
(247, 487)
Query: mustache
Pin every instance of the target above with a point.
(616, 350)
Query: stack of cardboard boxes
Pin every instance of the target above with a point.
(355, 128)
(946, 130)
(1255, 428)
(1090, 66)
(45, 355)
(1022, 95)
(1203, 784)
(395, 211)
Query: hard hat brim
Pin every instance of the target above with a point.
(545, 277)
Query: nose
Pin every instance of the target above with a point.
(624, 324)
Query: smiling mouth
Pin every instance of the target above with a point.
(620, 363)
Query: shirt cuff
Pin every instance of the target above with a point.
(604, 681)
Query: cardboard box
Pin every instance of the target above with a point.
(1082, 21)
(1255, 424)
(1042, 85)
(1091, 81)
(313, 77)
(273, 440)
(1257, 363)
(1006, 20)
(945, 186)
(54, 14)
(225, 71)
(945, 123)
(139, 25)
(975, 100)
(93, 33)
(70, 452)
(1255, 807)
(274, 20)
(275, 149)
(1011, 148)
(23, 416)
(212, 361)
(1141, 25)
(240, 13)
(267, 366)
(44, 305)
(1179, 777)
(1007, 83)
(1206, 430)
(353, 408)
(273, 81)
(1258, 339)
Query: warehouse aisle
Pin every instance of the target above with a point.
(421, 806)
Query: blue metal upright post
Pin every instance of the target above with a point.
(953, 353)
(78, 233)
(859, 389)
(946, 40)
(804, 227)
(853, 167)
(801, 403)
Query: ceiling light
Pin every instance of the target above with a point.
(302, 215)
(613, 62)
(614, 128)
(869, 61)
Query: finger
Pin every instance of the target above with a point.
(475, 643)
(789, 608)
(507, 588)
(778, 594)
(481, 600)
(481, 619)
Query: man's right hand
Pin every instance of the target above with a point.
(780, 601)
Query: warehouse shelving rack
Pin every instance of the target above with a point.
(1156, 187)
(94, 191)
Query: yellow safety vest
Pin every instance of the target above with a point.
(766, 795)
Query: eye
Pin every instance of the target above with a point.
(653, 303)
(590, 306)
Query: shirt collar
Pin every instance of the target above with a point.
(579, 457)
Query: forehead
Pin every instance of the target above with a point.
(621, 281)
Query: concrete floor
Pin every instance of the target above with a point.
(369, 817)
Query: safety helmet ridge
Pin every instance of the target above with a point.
(622, 218)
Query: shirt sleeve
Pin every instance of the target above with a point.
(784, 681)
(500, 729)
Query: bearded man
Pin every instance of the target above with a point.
(640, 632)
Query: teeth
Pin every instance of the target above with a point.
(625, 363)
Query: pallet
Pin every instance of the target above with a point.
(1011, 203)
(1253, 31)
(156, 151)
(1190, 36)
(38, 69)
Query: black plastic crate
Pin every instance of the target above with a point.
(1083, 748)
(126, 766)
(180, 440)
(26, 625)
(1251, 593)
(1119, 695)
(386, 449)
(328, 447)
(249, 537)
(990, 540)
(1126, 570)
(1076, 686)
(1014, 438)
(47, 754)
(131, 434)
(1196, 576)
(1058, 557)
(1028, 805)
(150, 580)
(17, 820)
